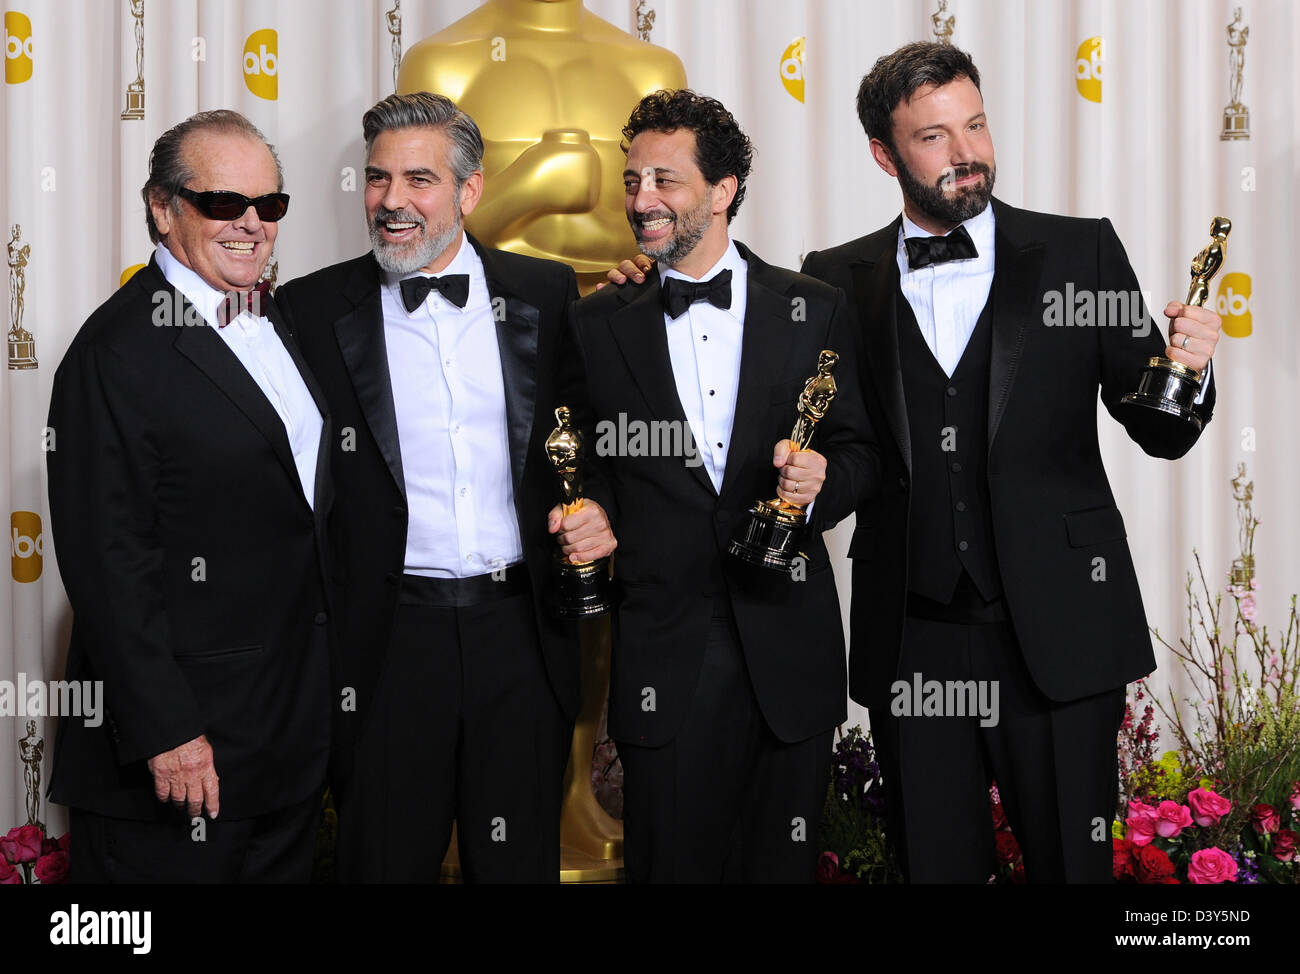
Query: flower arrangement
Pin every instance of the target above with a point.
(1225, 806)
(853, 831)
(28, 855)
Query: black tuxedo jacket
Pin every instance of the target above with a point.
(192, 560)
(674, 528)
(1053, 511)
(338, 317)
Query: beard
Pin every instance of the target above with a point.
(421, 251)
(949, 208)
(688, 229)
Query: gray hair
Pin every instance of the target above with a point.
(424, 109)
(168, 169)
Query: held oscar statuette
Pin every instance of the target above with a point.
(585, 588)
(1170, 386)
(771, 535)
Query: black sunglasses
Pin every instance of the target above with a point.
(222, 204)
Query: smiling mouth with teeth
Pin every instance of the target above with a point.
(655, 224)
(239, 246)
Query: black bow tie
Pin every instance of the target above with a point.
(678, 295)
(924, 251)
(453, 287)
(237, 302)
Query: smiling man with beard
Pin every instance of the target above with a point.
(995, 552)
(726, 681)
(443, 362)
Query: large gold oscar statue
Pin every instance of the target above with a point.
(551, 86)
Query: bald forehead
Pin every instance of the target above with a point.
(217, 154)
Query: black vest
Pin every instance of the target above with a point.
(950, 521)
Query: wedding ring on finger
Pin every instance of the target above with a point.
(1186, 339)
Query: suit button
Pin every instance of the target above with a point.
(956, 467)
(952, 390)
(321, 618)
(961, 505)
(392, 578)
(962, 546)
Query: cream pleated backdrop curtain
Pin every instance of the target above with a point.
(1097, 108)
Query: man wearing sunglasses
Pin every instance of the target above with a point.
(187, 496)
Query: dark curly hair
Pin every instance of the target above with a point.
(721, 148)
(896, 77)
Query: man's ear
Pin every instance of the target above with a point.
(160, 208)
(723, 192)
(884, 158)
(470, 193)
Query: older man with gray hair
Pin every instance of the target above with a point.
(443, 362)
(188, 492)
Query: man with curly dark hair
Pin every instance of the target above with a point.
(727, 681)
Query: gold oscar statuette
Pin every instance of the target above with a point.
(134, 110)
(30, 749)
(1170, 386)
(771, 536)
(586, 587)
(550, 85)
(22, 346)
(1236, 117)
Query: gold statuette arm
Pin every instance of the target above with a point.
(559, 174)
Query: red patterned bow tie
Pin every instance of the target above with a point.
(237, 302)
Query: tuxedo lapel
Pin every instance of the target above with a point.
(517, 327)
(360, 334)
(323, 492)
(1017, 268)
(763, 344)
(210, 354)
(638, 329)
(875, 284)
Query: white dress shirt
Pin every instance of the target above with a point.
(947, 298)
(704, 345)
(449, 398)
(263, 355)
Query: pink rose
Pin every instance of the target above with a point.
(1294, 799)
(1213, 865)
(1284, 845)
(1265, 819)
(1208, 807)
(828, 867)
(1171, 819)
(22, 844)
(9, 876)
(1141, 823)
(53, 868)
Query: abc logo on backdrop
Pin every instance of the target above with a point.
(262, 64)
(1234, 304)
(19, 48)
(26, 545)
(1087, 69)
